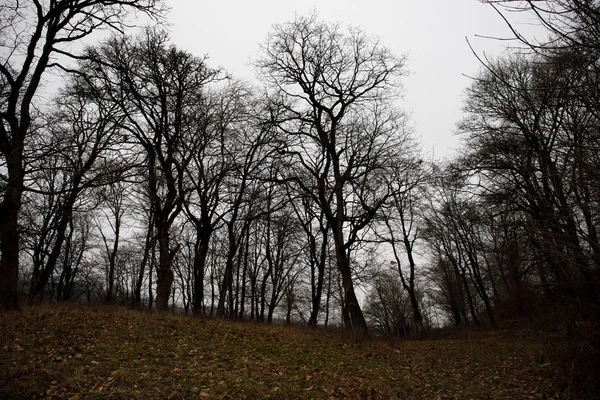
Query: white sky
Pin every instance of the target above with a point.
(431, 32)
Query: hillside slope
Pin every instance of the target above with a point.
(78, 352)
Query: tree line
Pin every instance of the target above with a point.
(153, 179)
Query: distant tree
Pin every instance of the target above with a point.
(404, 224)
(114, 199)
(161, 90)
(448, 230)
(316, 229)
(251, 150)
(388, 306)
(79, 149)
(77, 245)
(446, 290)
(212, 165)
(283, 249)
(148, 248)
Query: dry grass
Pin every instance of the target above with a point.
(111, 353)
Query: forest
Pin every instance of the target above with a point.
(152, 179)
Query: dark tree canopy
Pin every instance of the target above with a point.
(32, 34)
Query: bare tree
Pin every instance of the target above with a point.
(209, 170)
(569, 23)
(161, 90)
(148, 246)
(532, 128)
(79, 149)
(403, 225)
(31, 33)
(316, 229)
(388, 307)
(252, 151)
(332, 89)
(76, 247)
(113, 198)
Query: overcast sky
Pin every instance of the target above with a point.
(431, 33)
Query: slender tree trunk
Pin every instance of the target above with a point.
(212, 288)
(263, 294)
(480, 287)
(455, 311)
(469, 297)
(244, 275)
(164, 273)
(236, 300)
(410, 287)
(253, 294)
(65, 276)
(147, 250)
(288, 314)
(200, 254)
(318, 285)
(227, 283)
(112, 262)
(150, 272)
(328, 299)
(70, 278)
(273, 300)
(57, 248)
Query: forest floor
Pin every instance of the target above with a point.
(76, 352)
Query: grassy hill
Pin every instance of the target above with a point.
(106, 353)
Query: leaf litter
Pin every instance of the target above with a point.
(78, 353)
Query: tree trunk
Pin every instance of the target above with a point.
(244, 275)
(39, 285)
(318, 286)
(227, 276)
(112, 263)
(9, 237)
(65, 276)
(200, 253)
(328, 298)
(149, 243)
(271, 309)
(469, 297)
(355, 320)
(227, 283)
(164, 274)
